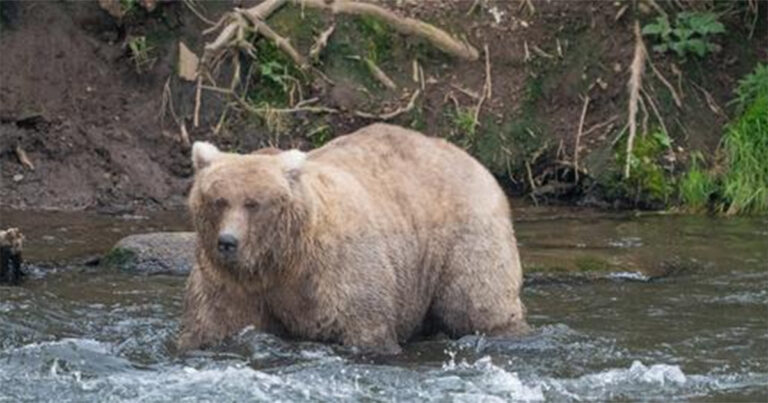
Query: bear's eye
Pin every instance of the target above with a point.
(251, 204)
(220, 202)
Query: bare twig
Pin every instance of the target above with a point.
(184, 135)
(600, 125)
(488, 84)
(282, 43)
(666, 83)
(24, 158)
(713, 106)
(656, 112)
(635, 82)
(198, 99)
(393, 114)
(656, 7)
(321, 43)
(542, 53)
(191, 6)
(578, 139)
(376, 72)
(260, 111)
(531, 183)
(469, 93)
(527, 54)
(473, 7)
(486, 91)
(261, 12)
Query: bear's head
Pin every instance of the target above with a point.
(247, 208)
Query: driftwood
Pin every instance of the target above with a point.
(11, 244)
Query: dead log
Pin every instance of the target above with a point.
(11, 243)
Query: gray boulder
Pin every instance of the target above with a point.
(154, 253)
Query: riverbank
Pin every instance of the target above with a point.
(92, 106)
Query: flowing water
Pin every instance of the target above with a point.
(636, 332)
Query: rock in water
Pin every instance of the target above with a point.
(154, 253)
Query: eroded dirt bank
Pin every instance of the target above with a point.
(100, 136)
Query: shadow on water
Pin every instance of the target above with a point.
(613, 322)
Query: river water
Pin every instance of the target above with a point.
(677, 309)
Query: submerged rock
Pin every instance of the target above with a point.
(154, 253)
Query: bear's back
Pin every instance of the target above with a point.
(413, 169)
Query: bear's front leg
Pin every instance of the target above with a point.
(372, 337)
(215, 310)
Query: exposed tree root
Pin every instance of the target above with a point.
(578, 139)
(635, 82)
(321, 43)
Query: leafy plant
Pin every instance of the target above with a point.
(275, 72)
(690, 33)
(649, 183)
(464, 120)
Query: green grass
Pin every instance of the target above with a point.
(697, 186)
(741, 187)
(745, 183)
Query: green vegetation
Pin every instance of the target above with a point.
(320, 135)
(691, 33)
(697, 186)
(741, 187)
(141, 53)
(649, 182)
(745, 183)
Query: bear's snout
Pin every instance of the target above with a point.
(227, 244)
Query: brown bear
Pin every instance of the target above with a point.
(377, 237)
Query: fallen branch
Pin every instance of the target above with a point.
(404, 25)
(261, 12)
(282, 43)
(391, 115)
(635, 82)
(578, 139)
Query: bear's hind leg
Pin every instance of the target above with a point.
(480, 289)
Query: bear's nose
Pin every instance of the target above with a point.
(227, 243)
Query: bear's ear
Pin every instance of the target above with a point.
(292, 161)
(203, 154)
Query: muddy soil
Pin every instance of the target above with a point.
(100, 138)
